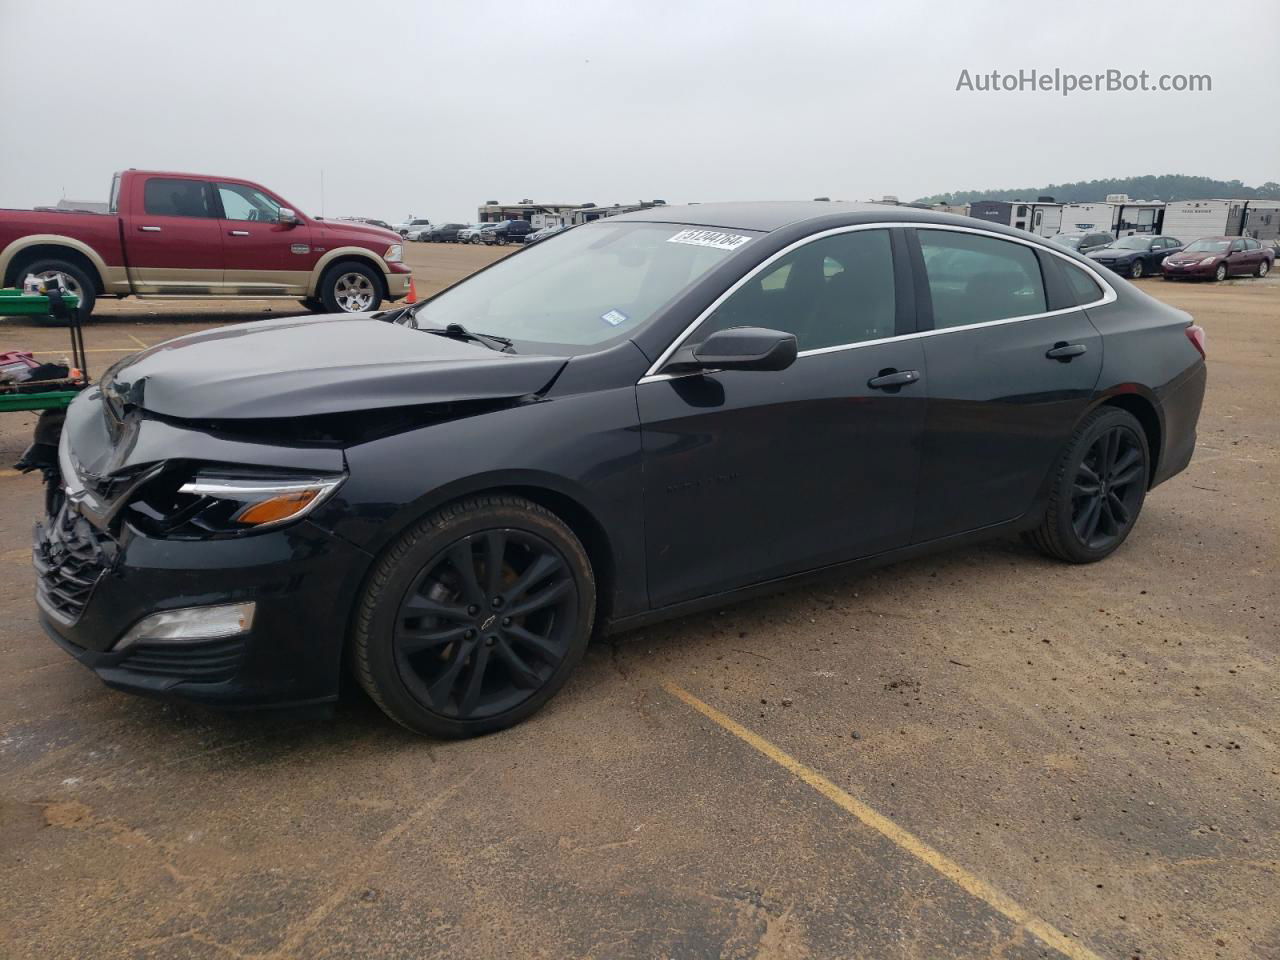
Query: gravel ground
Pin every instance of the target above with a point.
(977, 754)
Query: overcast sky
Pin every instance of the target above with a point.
(432, 108)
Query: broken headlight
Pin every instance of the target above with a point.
(224, 502)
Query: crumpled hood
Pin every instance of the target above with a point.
(301, 366)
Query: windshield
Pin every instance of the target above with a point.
(1209, 246)
(1132, 243)
(587, 287)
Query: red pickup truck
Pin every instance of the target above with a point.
(182, 235)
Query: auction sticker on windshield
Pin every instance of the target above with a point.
(709, 238)
(614, 318)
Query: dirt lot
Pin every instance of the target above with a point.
(979, 754)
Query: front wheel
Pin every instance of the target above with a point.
(350, 288)
(1263, 268)
(475, 617)
(1135, 272)
(1098, 491)
(1221, 273)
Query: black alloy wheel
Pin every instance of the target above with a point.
(1108, 488)
(1098, 491)
(475, 618)
(486, 624)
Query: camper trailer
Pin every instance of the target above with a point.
(1090, 218)
(1140, 217)
(1191, 219)
(1262, 220)
(1043, 218)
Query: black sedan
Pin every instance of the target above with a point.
(1136, 256)
(642, 417)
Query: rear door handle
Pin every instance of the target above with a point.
(149, 229)
(893, 378)
(237, 233)
(1063, 351)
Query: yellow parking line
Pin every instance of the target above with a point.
(974, 886)
(137, 341)
(56, 352)
(10, 473)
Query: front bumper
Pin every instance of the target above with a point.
(93, 587)
(1115, 266)
(1195, 271)
(398, 280)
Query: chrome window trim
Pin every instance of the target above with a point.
(1108, 295)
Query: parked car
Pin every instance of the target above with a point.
(645, 418)
(1136, 256)
(381, 224)
(413, 229)
(545, 232)
(1083, 242)
(506, 231)
(190, 235)
(1217, 258)
(471, 234)
(445, 232)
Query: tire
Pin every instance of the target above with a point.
(1136, 272)
(312, 304)
(1069, 530)
(350, 287)
(1221, 273)
(475, 238)
(77, 279)
(1263, 268)
(420, 667)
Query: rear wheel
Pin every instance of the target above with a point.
(475, 618)
(1098, 490)
(73, 276)
(350, 288)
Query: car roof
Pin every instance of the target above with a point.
(768, 215)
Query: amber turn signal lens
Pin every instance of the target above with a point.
(278, 508)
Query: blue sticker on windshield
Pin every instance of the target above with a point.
(614, 318)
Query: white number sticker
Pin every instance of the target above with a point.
(710, 238)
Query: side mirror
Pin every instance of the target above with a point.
(739, 348)
(287, 217)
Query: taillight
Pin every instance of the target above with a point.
(1195, 333)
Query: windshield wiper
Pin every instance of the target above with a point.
(457, 331)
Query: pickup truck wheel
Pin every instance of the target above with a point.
(74, 280)
(350, 288)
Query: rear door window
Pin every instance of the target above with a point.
(1083, 287)
(975, 279)
(170, 197)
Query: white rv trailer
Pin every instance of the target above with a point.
(1191, 219)
(1043, 218)
(1090, 217)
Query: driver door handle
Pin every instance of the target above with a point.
(237, 233)
(898, 378)
(1063, 351)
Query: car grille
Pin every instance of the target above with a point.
(203, 661)
(70, 557)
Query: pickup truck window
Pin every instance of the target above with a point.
(168, 197)
(247, 203)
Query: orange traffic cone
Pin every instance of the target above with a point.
(413, 290)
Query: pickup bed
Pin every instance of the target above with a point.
(182, 235)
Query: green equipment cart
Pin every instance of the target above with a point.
(54, 394)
